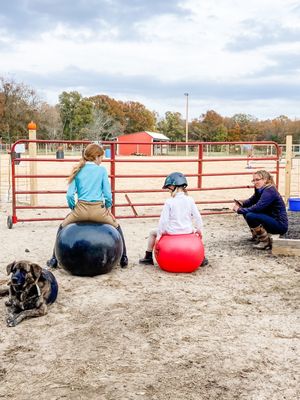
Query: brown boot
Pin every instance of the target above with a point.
(254, 238)
(265, 242)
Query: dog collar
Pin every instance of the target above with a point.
(38, 290)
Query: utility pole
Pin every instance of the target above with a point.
(187, 123)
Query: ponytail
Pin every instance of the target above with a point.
(91, 152)
(76, 169)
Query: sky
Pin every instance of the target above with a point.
(231, 56)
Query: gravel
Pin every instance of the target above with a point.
(294, 225)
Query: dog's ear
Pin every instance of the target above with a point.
(10, 267)
(36, 270)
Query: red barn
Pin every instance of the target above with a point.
(141, 137)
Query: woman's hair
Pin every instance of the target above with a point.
(266, 176)
(90, 153)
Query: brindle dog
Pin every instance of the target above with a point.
(30, 288)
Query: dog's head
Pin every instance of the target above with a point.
(24, 274)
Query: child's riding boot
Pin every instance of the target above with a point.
(148, 259)
(265, 241)
(124, 258)
(204, 262)
(52, 262)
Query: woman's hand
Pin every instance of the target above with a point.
(236, 207)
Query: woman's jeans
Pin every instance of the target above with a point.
(270, 224)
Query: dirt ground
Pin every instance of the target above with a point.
(228, 331)
(294, 225)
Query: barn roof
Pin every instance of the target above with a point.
(157, 136)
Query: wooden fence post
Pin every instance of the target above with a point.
(288, 167)
(33, 167)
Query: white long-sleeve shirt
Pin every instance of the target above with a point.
(178, 215)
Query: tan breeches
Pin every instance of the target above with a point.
(90, 211)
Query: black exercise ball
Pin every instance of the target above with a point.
(88, 248)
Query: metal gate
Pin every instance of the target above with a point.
(136, 181)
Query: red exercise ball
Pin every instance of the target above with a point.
(179, 253)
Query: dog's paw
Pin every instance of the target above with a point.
(11, 322)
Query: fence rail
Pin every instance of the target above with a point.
(134, 178)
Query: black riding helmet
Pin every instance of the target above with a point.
(175, 179)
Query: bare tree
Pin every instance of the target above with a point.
(49, 122)
(103, 127)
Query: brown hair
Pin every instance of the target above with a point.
(90, 153)
(262, 173)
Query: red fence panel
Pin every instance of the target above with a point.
(136, 181)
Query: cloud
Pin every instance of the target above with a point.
(28, 18)
(284, 69)
(93, 83)
(262, 34)
(226, 53)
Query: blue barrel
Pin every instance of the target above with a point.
(294, 204)
(107, 153)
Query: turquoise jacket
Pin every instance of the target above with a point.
(90, 184)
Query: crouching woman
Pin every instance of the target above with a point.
(264, 212)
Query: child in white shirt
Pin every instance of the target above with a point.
(177, 216)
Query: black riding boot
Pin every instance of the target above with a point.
(204, 262)
(124, 258)
(52, 262)
(148, 259)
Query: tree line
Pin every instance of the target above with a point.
(101, 117)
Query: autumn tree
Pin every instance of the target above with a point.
(109, 106)
(125, 117)
(294, 130)
(18, 106)
(233, 130)
(199, 131)
(196, 132)
(246, 125)
(138, 117)
(213, 127)
(281, 128)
